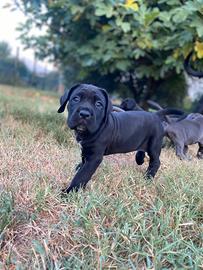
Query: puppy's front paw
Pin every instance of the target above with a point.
(67, 190)
(189, 158)
(78, 167)
(139, 157)
(63, 192)
(148, 178)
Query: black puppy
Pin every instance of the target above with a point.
(103, 132)
(129, 104)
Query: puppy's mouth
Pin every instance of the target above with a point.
(81, 128)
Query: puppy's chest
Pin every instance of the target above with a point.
(86, 151)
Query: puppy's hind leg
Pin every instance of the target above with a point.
(179, 145)
(185, 151)
(80, 164)
(154, 152)
(200, 151)
(180, 150)
(139, 157)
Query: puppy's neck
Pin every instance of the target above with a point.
(87, 137)
(81, 136)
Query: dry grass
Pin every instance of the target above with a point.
(119, 222)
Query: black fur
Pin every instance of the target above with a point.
(129, 104)
(103, 132)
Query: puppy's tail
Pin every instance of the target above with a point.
(117, 109)
(154, 105)
(163, 114)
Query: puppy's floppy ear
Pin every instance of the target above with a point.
(65, 98)
(109, 107)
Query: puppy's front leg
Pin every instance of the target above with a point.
(84, 174)
(80, 164)
(180, 151)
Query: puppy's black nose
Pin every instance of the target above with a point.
(84, 114)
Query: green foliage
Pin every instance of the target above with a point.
(12, 71)
(148, 39)
(12, 74)
(112, 37)
(172, 91)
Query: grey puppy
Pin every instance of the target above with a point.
(184, 132)
(103, 132)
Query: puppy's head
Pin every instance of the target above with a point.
(88, 107)
(128, 104)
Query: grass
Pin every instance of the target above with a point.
(118, 222)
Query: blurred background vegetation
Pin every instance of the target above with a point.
(14, 71)
(131, 48)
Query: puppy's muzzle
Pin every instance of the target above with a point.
(84, 114)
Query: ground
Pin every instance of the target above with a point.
(119, 222)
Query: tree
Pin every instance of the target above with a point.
(10, 73)
(141, 44)
(5, 50)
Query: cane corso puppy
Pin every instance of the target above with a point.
(184, 132)
(100, 131)
(129, 104)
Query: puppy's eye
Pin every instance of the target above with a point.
(98, 104)
(76, 99)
